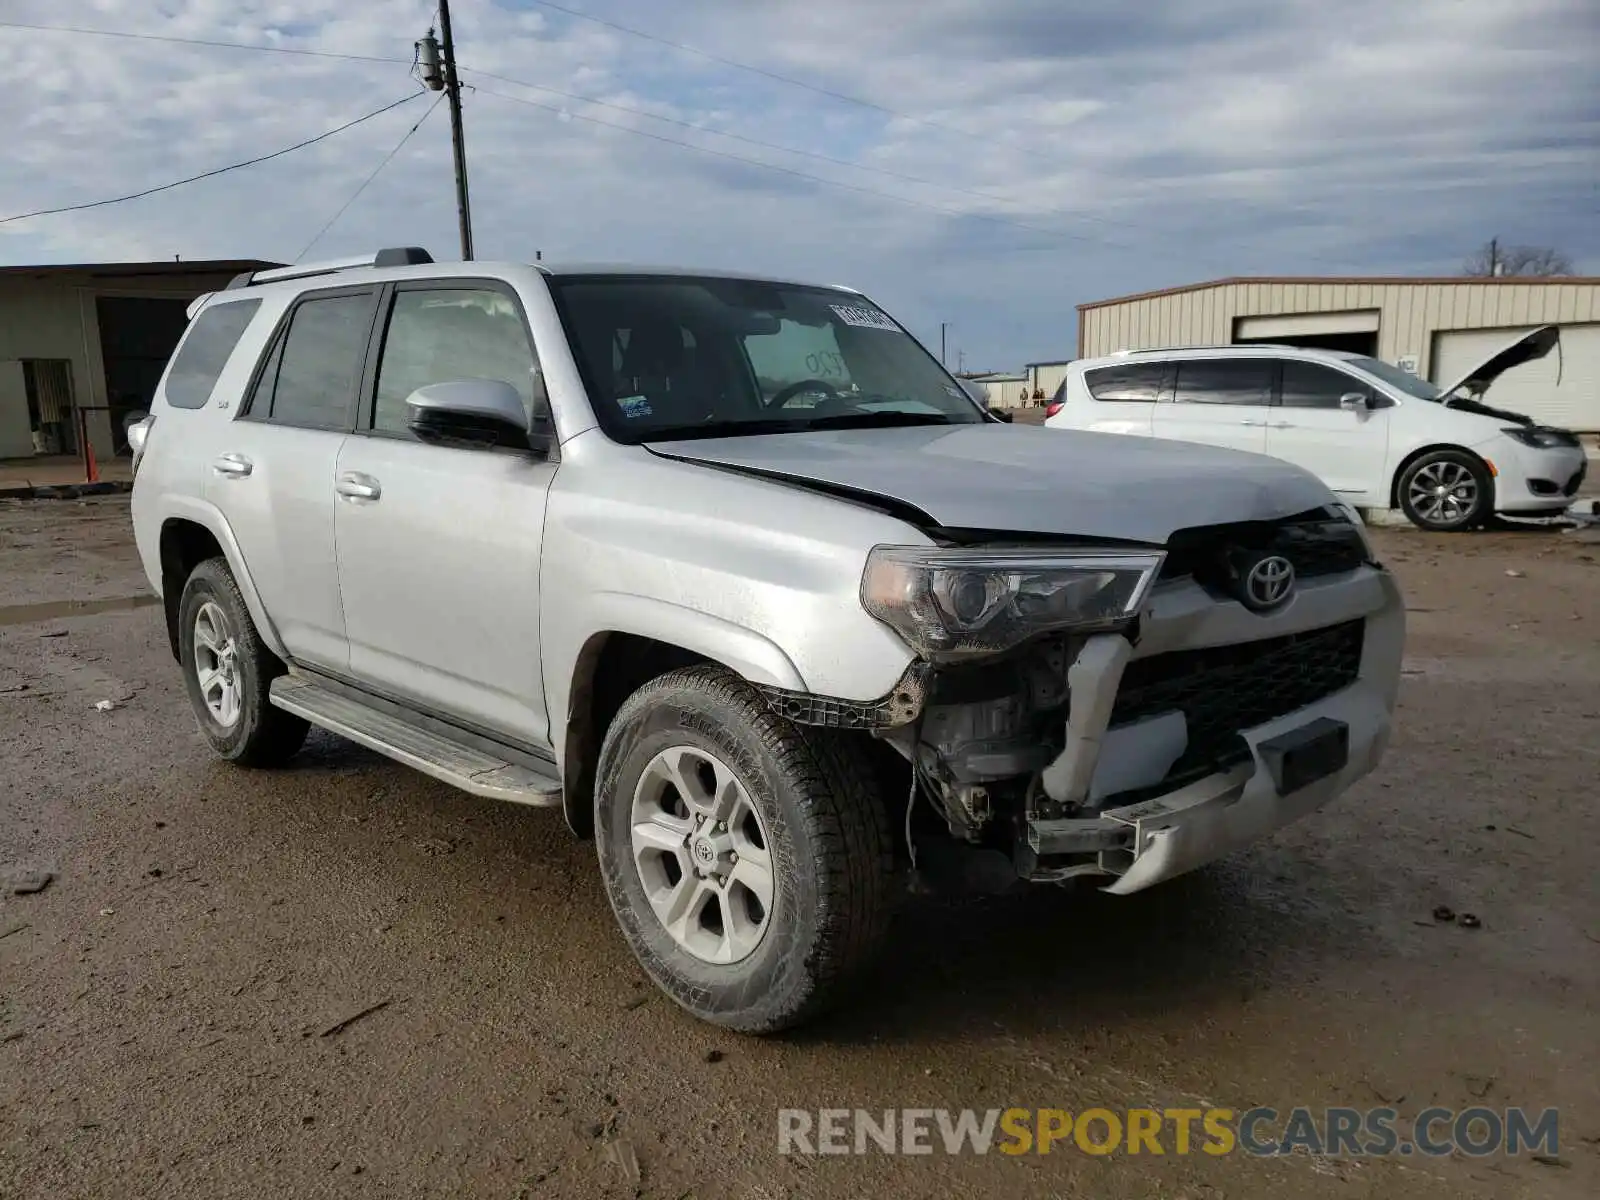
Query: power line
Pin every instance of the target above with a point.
(826, 182)
(753, 70)
(213, 44)
(249, 162)
(356, 195)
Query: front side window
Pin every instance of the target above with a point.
(447, 335)
(1403, 381)
(680, 356)
(205, 351)
(1310, 385)
(1243, 381)
(1132, 383)
(317, 364)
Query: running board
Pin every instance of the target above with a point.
(446, 759)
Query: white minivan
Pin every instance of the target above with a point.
(1378, 436)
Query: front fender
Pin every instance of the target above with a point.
(210, 518)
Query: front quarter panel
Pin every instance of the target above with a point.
(759, 576)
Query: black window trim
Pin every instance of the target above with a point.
(544, 443)
(281, 331)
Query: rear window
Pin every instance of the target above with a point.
(205, 351)
(1133, 383)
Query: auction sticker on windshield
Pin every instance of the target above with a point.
(864, 318)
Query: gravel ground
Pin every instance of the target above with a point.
(170, 1005)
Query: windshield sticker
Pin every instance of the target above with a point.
(635, 406)
(863, 317)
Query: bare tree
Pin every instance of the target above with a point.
(1523, 261)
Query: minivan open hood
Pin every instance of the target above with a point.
(1536, 343)
(1014, 478)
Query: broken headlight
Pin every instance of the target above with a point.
(961, 603)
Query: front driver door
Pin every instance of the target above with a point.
(438, 546)
(1344, 447)
(1219, 402)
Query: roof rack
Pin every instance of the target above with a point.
(1125, 351)
(391, 256)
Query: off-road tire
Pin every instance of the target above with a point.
(1483, 507)
(263, 736)
(828, 839)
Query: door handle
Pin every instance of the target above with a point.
(233, 466)
(353, 485)
(1257, 424)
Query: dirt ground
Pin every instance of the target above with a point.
(169, 1005)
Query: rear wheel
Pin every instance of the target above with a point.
(746, 859)
(1446, 491)
(228, 671)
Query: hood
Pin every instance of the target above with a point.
(1026, 480)
(1536, 343)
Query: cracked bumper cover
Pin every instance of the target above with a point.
(1168, 835)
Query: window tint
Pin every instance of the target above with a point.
(321, 362)
(1135, 382)
(1309, 385)
(446, 335)
(206, 350)
(1224, 381)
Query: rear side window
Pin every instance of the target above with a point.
(206, 350)
(311, 376)
(1245, 381)
(1133, 383)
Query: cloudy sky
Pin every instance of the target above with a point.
(986, 163)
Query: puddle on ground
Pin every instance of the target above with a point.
(54, 610)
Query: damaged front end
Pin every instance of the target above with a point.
(1130, 713)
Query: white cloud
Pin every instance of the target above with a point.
(1098, 152)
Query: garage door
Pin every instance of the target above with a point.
(1532, 388)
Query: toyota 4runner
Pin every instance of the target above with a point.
(736, 575)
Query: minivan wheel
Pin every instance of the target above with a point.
(227, 671)
(1446, 491)
(747, 859)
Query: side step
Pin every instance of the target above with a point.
(446, 759)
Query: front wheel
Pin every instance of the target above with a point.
(1446, 491)
(746, 859)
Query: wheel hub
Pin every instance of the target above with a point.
(711, 848)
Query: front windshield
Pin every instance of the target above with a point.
(1396, 378)
(669, 356)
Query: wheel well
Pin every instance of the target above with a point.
(184, 546)
(610, 668)
(1405, 463)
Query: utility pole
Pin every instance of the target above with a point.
(1494, 257)
(942, 328)
(437, 60)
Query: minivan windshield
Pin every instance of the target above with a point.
(1396, 378)
(675, 356)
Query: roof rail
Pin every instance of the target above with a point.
(391, 256)
(1125, 351)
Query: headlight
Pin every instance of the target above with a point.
(138, 437)
(1540, 439)
(1349, 513)
(958, 603)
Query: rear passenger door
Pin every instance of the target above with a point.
(272, 473)
(439, 545)
(1122, 399)
(1219, 402)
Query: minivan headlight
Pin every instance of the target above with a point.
(949, 604)
(1539, 438)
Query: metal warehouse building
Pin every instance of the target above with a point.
(1436, 328)
(90, 339)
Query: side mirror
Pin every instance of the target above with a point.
(1357, 401)
(1002, 414)
(469, 412)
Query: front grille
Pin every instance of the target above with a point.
(1223, 689)
(1315, 543)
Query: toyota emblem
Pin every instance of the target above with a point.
(1269, 583)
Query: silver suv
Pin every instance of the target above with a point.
(736, 575)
